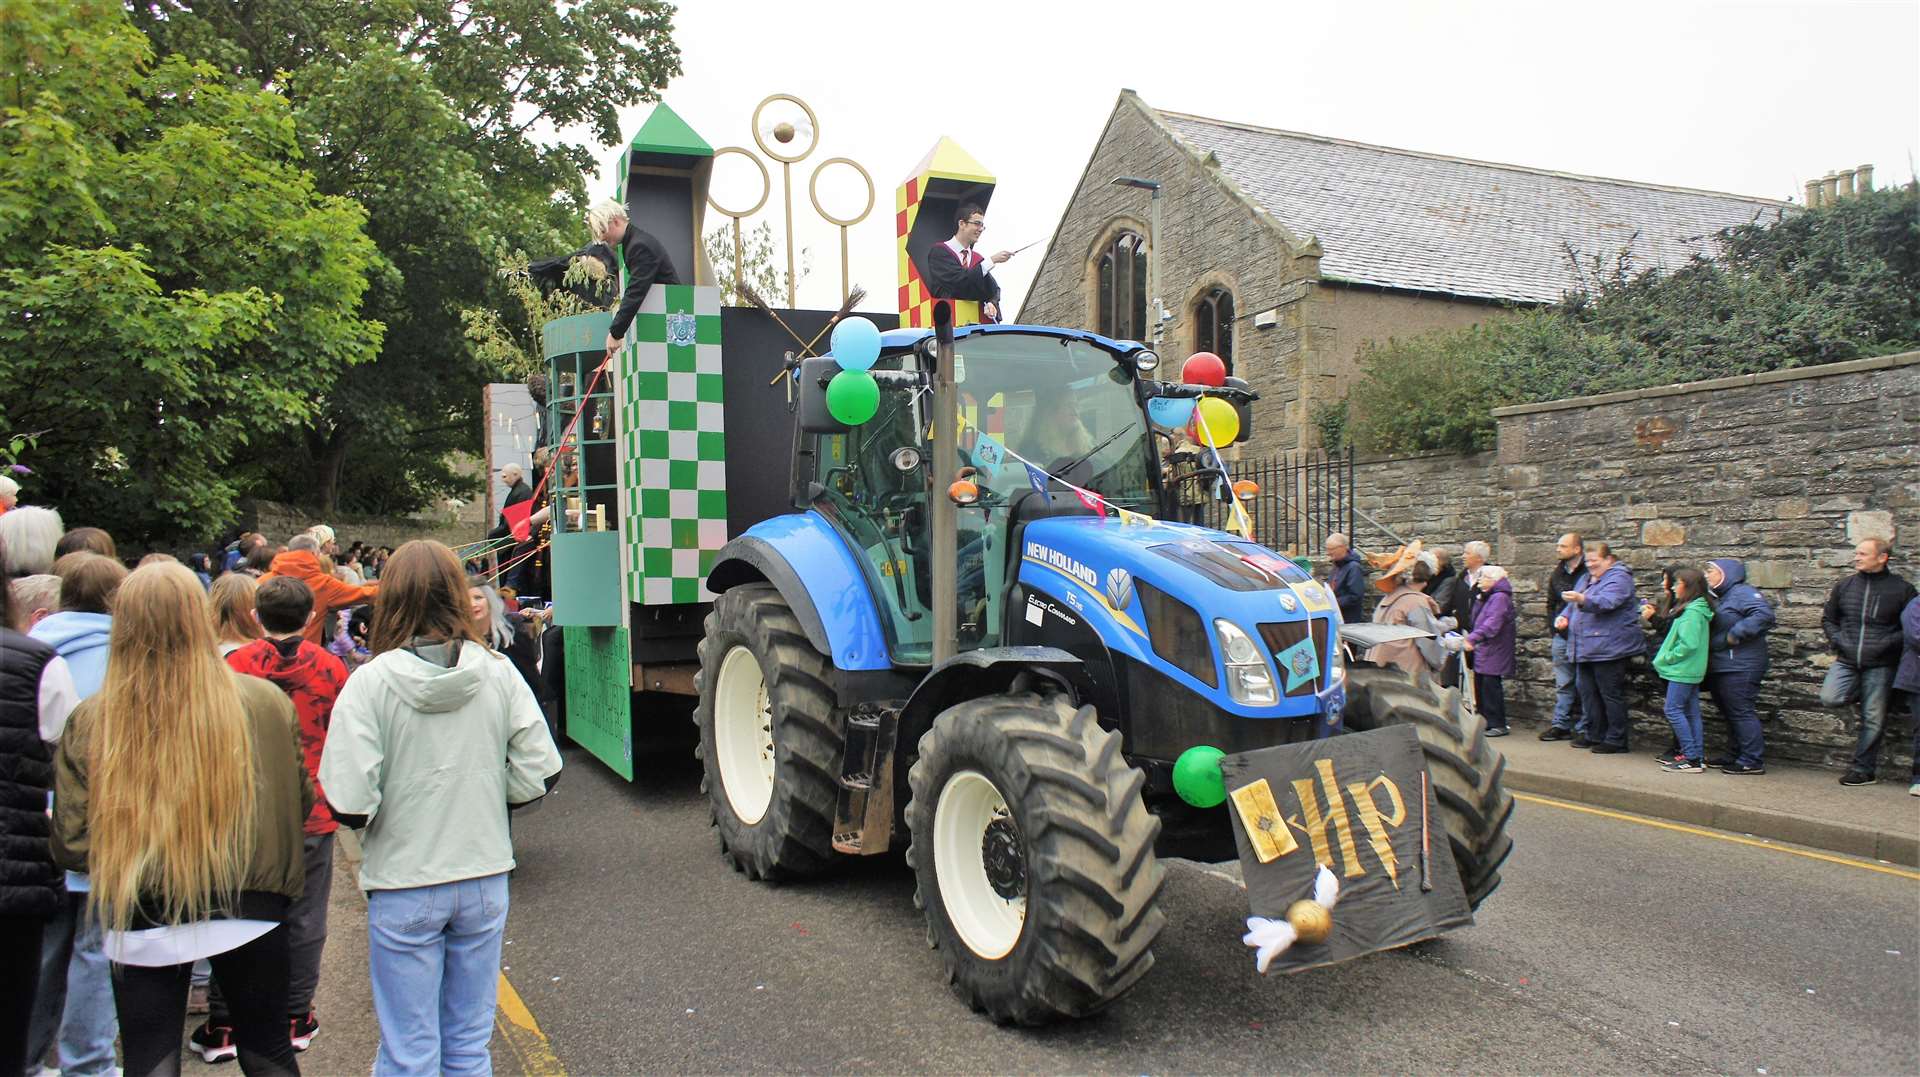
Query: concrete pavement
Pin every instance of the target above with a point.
(1801, 805)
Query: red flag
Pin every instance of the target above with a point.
(1091, 500)
(516, 516)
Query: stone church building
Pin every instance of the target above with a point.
(1286, 252)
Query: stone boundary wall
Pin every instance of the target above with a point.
(1785, 470)
(281, 522)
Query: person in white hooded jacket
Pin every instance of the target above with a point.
(432, 742)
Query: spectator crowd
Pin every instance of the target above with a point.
(1703, 630)
(183, 738)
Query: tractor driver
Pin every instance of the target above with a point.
(955, 270)
(642, 255)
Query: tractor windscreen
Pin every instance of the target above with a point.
(1062, 405)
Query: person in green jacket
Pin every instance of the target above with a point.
(1682, 661)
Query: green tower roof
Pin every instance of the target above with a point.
(666, 132)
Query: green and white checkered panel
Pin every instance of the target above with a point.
(673, 446)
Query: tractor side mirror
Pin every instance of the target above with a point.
(812, 381)
(1244, 409)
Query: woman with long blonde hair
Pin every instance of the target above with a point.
(430, 745)
(179, 789)
(234, 625)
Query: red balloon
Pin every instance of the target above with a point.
(1203, 368)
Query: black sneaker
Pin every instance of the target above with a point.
(301, 1030)
(1609, 749)
(1500, 732)
(1735, 768)
(1683, 765)
(1720, 762)
(1556, 733)
(214, 1042)
(1668, 758)
(1855, 777)
(1582, 742)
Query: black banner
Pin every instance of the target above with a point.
(1357, 804)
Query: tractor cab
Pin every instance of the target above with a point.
(1035, 406)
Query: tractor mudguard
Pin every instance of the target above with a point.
(983, 672)
(805, 558)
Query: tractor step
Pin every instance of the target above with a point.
(863, 818)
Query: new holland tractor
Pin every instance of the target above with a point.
(985, 667)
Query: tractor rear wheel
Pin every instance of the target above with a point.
(770, 736)
(1032, 854)
(1465, 767)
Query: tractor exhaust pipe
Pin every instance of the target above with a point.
(946, 446)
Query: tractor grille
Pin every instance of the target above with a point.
(1280, 635)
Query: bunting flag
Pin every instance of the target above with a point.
(516, 516)
(1091, 500)
(1038, 479)
(988, 454)
(1131, 518)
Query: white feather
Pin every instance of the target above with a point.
(1269, 938)
(1326, 888)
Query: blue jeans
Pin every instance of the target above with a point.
(1565, 698)
(1873, 687)
(434, 958)
(1683, 712)
(1733, 693)
(75, 1004)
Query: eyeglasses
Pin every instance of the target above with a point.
(982, 225)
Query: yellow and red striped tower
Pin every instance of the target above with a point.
(924, 207)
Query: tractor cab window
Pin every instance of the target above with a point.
(881, 506)
(1064, 406)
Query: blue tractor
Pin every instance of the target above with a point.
(978, 664)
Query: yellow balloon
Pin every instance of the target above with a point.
(1219, 423)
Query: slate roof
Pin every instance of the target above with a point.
(1404, 219)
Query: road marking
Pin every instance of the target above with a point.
(1846, 861)
(522, 1035)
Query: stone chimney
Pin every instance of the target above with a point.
(1834, 186)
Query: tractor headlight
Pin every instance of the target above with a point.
(1339, 664)
(1249, 677)
(1146, 361)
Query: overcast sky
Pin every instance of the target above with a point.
(1751, 98)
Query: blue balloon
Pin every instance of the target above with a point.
(1170, 412)
(856, 344)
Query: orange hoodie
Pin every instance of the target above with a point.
(329, 594)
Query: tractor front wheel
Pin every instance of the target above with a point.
(1465, 766)
(1032, 854)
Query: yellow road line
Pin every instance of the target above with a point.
(1847, 861)
(521, 1033)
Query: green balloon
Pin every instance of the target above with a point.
(1197, 777)
(853, 397)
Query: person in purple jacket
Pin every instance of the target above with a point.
(1491, 642)
(1603, 634)
(1907, 680)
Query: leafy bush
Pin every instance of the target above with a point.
(1825, 285)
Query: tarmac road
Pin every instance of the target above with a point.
(1612, 946)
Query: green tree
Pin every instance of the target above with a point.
(1820, 286)
(173, 287)
(759, 271)
(438, 118)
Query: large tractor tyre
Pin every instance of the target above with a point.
(1463, 763)
(770, 737)
(1032, 855)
